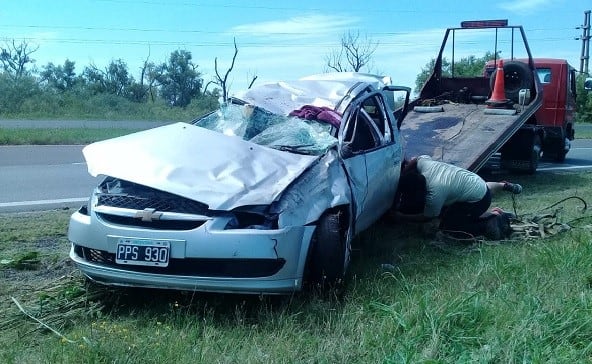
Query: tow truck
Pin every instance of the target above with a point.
(455, 120)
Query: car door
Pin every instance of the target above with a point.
(371, 153)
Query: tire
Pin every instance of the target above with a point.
(560, 151)
(517, 76)
(327, 253)
(554, 148)
(560, 156)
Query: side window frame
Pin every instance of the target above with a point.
(358, 114)
(380, 121)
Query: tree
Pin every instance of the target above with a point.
(355, 53)
(179, 79)
(15, 92)
(114, 79)
(470, 66)
(426, 72)
(15, 58)
(60, 78)
(222, 81)
(151, 75)
(583, 100)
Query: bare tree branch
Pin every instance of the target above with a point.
(252, 82)
(222, 81)
(15, 57)
(209, 83)
(355, 53)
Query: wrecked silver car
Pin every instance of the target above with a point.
(257, 197)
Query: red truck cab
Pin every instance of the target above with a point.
(557, 114)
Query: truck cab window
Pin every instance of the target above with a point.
(544, 75)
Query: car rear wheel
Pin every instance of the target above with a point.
(327, 254)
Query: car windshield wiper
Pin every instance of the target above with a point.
(296, 149)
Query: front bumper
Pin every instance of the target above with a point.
(206, 258)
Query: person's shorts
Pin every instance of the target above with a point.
(462, 213)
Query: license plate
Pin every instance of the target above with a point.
(143, 252)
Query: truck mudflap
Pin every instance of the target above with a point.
(522, 152)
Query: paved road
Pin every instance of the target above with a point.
(43, 177)
(47, 177)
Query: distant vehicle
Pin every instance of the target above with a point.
(588, 84)
(248, 198)
(454, 118)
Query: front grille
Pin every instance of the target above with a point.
(164, 202)
(203, 267)
(154, 224)
(119, 194)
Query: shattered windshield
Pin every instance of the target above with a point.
(287, 133)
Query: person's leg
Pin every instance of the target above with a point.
(462, 216)
(495, 187)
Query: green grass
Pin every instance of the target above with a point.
(23, 136)
(583, 134)
(521, 301)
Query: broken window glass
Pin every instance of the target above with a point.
(262, 127)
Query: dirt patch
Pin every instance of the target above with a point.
(38, 263)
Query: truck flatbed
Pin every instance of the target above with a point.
(461, 134)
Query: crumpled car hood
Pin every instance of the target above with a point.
(221, 171)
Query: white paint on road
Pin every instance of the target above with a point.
(563, 168)
(42, 202)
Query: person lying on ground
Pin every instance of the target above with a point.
(429, 189)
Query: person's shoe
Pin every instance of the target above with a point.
(515, 188)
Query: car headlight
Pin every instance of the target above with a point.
(255, 218)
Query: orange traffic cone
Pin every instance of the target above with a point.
(498, 96)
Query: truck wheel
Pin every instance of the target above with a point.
(561, 152)
(560, 157)
(517, 76)
(327, 253)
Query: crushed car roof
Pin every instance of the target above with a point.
(331, 90)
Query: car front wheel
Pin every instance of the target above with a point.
(327, 254)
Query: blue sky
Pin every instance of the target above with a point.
(276, 39)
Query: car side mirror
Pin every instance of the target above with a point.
(588, 84)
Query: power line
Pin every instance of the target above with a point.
(190, 31)
(271, 44)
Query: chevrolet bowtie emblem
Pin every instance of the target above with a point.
(148, 215)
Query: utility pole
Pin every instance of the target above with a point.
(585, 56)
